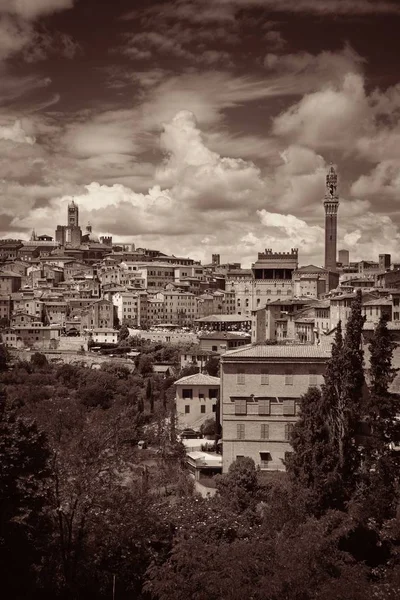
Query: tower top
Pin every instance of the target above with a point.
(72, 204)
(331, 184)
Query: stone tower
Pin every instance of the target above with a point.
(331, 205)
(73, 215)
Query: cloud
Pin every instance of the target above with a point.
(107, 133)
(329, 118)
(383, 180)
(283, 230)
(322, 7)
(210, 193)
(15, 133)
(18, 30)
(32, 9)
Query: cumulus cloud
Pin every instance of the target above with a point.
(329, 118)
(287, 230)
(383, 180)
(15, 133)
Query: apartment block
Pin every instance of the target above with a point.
(261, 386)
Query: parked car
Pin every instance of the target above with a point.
(189, 434)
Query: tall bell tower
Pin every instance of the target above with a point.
(331, 205)
(73, 214)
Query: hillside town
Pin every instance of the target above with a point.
(199, 300)
(271, 326)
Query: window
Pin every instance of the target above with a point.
(264, 377)
(214, 408)
(264, 431)
(187, 409)
(265, 458)
(239, 456)
(240, 431)
(288, 431)
(213, 394)
(214, 348)
(187, 394)
(289, 407)
(201, 396)
(264, 407)
(241, 406)
(203, 408)
(289, 378)
(396, 316)
(240, 377)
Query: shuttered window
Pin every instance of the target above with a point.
(264, 431)
(240, 431)
(241, 406)
(288, 407)
(264, 407)
(240, 377)
(288, 378)
(288, 431)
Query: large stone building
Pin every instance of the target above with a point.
(70, 234)
(273, 276)
(261, 386)
(331, 205)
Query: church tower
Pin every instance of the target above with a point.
(331, 205)
(73, 214)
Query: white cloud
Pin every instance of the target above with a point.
(15, 133)
(383, 180)
(329, 118)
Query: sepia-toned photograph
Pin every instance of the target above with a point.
(199, 300)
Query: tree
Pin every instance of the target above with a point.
(212, 366)
(379, 493)
(4, 357)
(313, 463)
(150, 395)
(123, 333)
(209, 427)
(327, 455)
(239, 487)
(344, 395)
(39, 360)
(24, 469)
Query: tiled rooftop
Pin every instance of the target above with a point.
(198, 379)
(322, 350)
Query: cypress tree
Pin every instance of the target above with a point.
(327, 457)
(314, 463)
(381, 464)
(347, 395)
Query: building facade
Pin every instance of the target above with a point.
(261, 386)
(196, 399)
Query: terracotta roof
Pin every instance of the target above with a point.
(322, 350)
(310, 269)
(198, 379)
(10, 274)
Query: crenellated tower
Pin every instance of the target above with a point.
(331, 205)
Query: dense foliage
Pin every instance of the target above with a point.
(85, 514)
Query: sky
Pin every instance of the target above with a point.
(202, 126)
